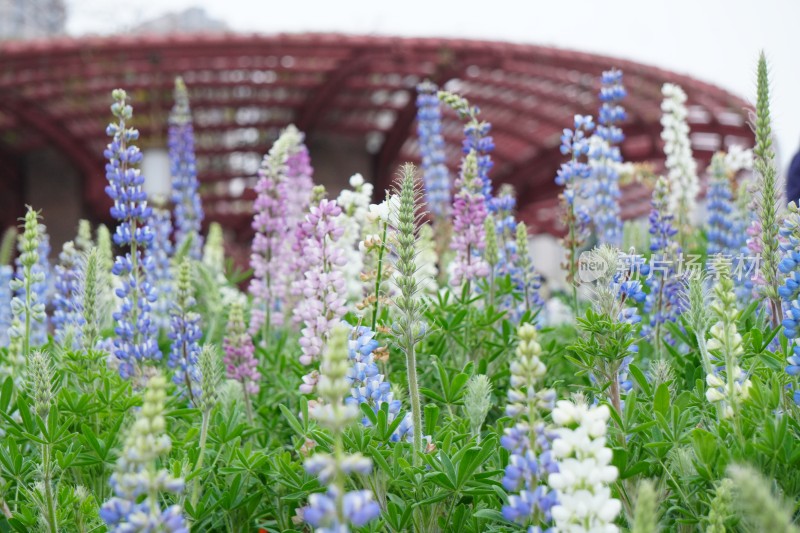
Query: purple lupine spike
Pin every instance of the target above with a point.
(185, 196)
(469, 213)
(239, 359)
(271, 245)
(135, 330)
(323, 287)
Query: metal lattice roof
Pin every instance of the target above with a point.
(244, 88)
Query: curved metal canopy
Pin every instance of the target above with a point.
(244, 88)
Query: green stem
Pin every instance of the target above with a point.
(248, 407)
(701, 344)
(338, 450)
(199, 464)
(413, 393)
(378, 277)
(47, 468)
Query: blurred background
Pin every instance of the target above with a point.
(346, 73)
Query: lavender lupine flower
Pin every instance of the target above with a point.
(323, 288)
(790, 291)
(68, 315)
(6, 275)
(469, 213)
(135, 330)
(436, 177)
(529, 441)
(335, 510)
(573, 177)
(138, 476)
(681, 166)
(604, 160)
(239, 359)
(159, 269)
(185, 335)
(269, 257)
(585, 470)
(185, 194)
(299, 174)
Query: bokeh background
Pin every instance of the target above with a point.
(529, 65)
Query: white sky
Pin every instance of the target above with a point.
(714, 40)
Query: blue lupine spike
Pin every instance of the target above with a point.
(185, 197)
(135, 341)
(436, 177)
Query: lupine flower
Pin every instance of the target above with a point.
(604, 160)
(790, 291)
(529, 281)
(354, 205)
(529, 442)
(727, 383)
(665, 300)
(725, 228)
(469, 213)
(6, 316)
(42, 283)
(409, 327)
(240, 361)
(27, 306)
(185, 195)
(476, 139)
(214, 251)
(84, 241)
(107, 297)
(768, 196)
(323, 288)
(68, 316)
(158, 265)
(89, 299)
(436, 177)
(368, 385)
(573, 176)
(269, 258)
(477, 402)
(336, 510)
(681, 166)
(719, 202)
(299, 174)
(585, 471)
(137, 474)
(185, 335)
(210, 371)
(135, 341)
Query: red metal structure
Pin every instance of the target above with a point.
(244, 88)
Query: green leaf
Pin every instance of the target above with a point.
(640, 379)
(292, 420)
(661, 400)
